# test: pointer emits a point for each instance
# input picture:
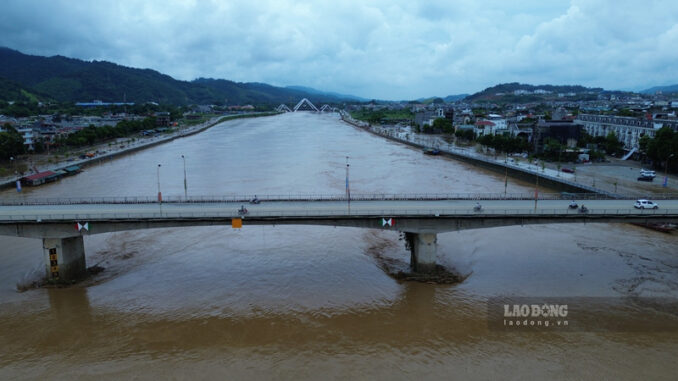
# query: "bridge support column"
(64, 259)
(423, 248)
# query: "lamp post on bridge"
(506, 173)
(348, 189)
(185, 183)
(16, 175)
(536, 189)
(666, 171)
(159, 193)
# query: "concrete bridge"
(62, 223)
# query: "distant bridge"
(305, 105)
(62, 223)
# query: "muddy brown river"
(310, 302)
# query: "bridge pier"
(423, 248)
(64, 259)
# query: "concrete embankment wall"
(126, 151)
(499, 167)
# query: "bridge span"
(62, 223)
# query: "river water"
(308, 302)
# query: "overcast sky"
(388, 49)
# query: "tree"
(465, 134)
(443, 125)
(625, 112)
(662, 146)
(643, 142)
(612, 144)
(11, 142)
(553, 148)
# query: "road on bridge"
(320, 208)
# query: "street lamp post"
(536, 190)
(185, 183)
(505, 173)
(16, 175)
(666, 171)
(559, 150)
(159, 193)
(348, 189)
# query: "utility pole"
(666, 172)
(536, 190)
(185, 183)
(348, 189)
(159, 193)
(506, 174)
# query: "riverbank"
(613, 178)
(526, 172)
(123, 146)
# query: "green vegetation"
(11, 91)
(609, 143)
(612, 145)
(11, 143)
(504, 143)
(465, 134)
(64, 79)
(440, 125)
(383, 116)
(194, 121)
(92, 135)
(25, 109)
(444, 125)
(662, 148)
(508, 89)
(242, 116)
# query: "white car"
(647, 173)
(645, 204)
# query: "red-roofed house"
(483, 127)
(40, 178)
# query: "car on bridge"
(645, 204)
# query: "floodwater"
(308, 302)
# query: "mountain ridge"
(71, 80)
(663, 89)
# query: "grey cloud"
(377, 49)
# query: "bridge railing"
(161, 215)
(320, 197)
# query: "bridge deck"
(333, 209)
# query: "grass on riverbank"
(382, 116)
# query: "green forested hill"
(71, 80)
(508, 88)
(11, 91)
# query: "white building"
(500, 124)
(629, 130)
(30, 136)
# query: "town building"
(566, 132)
(162, 118)
(30, 136)
(628, 130)
(426, 117)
